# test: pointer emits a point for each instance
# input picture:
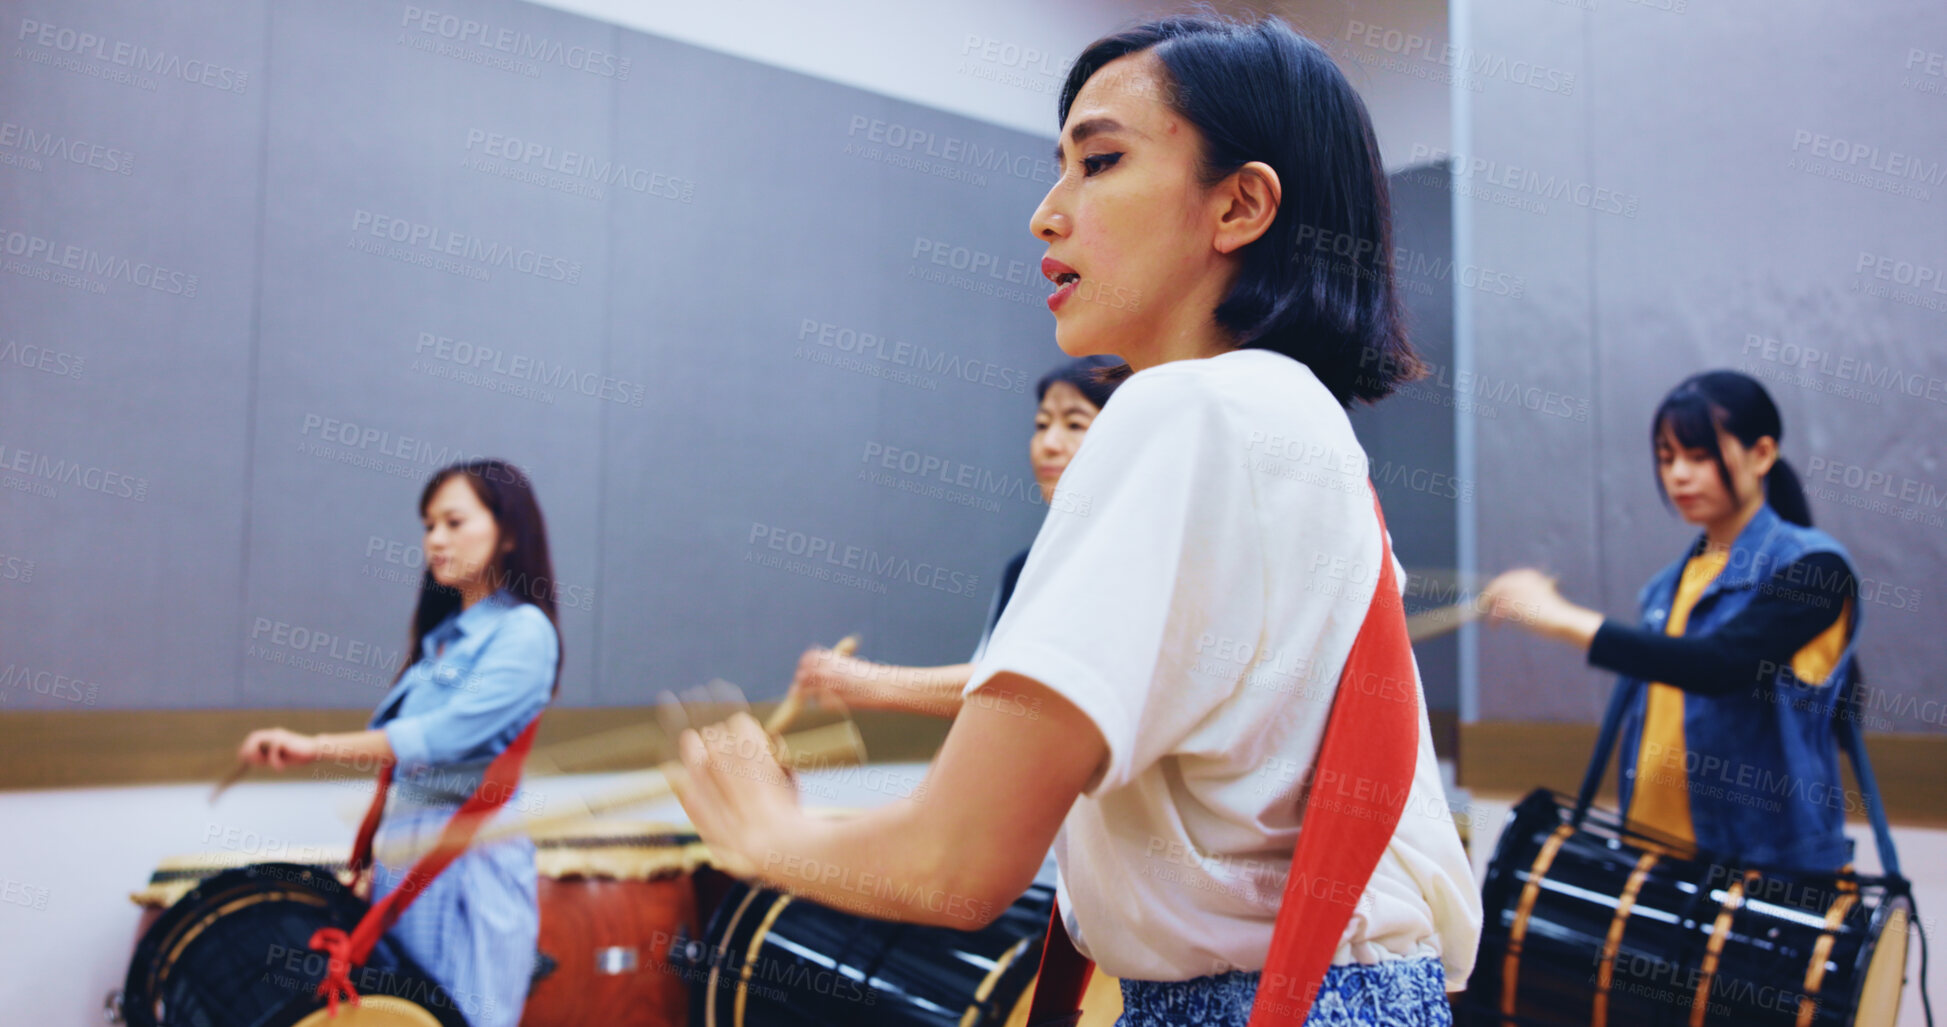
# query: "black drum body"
(1594, 923)
(769, 960)
(234, 953)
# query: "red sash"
(345, 952)
(1358, 789)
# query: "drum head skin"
(234, 952)
(372, 1011)
(1879, 995)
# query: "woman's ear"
(1763, 454)
(1248, 203)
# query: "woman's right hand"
(826, 674)
(277, 748)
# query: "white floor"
(69, 858)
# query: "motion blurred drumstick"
(1439, 621)
(834, 745)
(236, 774)
(793, 704)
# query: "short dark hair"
(1262, 92)
(1093, 377)
(1737, 403)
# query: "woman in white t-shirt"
(1152, 701)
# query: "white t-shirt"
(1194, 591)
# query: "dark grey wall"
(379, 242)
(1679, 201)
(1409, 437)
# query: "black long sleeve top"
(1793, 607)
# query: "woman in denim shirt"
(484, 661)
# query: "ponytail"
(1786, 496)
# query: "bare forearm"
(355, 746)
(889, 863)
(930, 691)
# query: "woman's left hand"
(736, 793)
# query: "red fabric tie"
(347, 952)
(1358, 789)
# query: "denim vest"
(1762, 762)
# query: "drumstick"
(834, 745)
(793, 704)
(236, 774)
(1441, 620)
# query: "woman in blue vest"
(1745, 652)
(484, 660)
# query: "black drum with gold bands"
(234, 952)
(1591, 922)
(771, 960)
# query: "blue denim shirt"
(484, 674)
(1762, 761)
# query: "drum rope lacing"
(1852, 739)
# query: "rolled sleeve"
(507, 686)
(1150, 545)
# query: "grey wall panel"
(1786, 163)
(421, 235)
(1409, 437)
(1768, 202)
(1535, 480)
(794, 345)
(426, 300)
(130, 148)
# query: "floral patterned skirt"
(1396, 993)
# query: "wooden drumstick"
(1441, 620)
(834, 745)
(236, 774)
(793, 704)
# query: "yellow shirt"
(1662, 797)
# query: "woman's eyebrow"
(1093, 126)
